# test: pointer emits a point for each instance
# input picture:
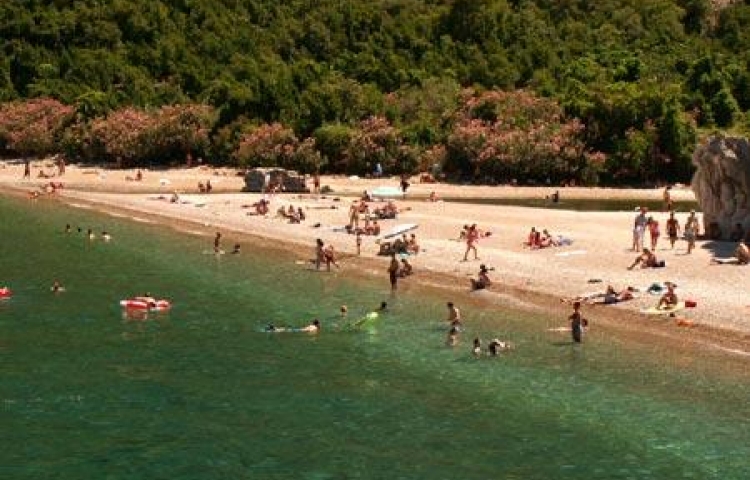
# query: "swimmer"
(106, 236)
(313, 327)
(236, 249)
(477, 350)
(497, 346)
(68, 229)
(383, 306)
(343, 310)
(91, 235)
(57, 287)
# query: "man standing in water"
(217, 242)
(454, 315)
(319, 253)
(577, 323)
(393, 268)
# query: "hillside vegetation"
(626, 85)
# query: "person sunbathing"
(647, 259)
(741, 256)
(608, 297)
(546, 240)
(669, 299)
(534, 239)
(483, 279)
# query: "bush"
(31, 128)
(273, 145)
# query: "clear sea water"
(202, 393)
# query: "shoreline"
(624, 324)
(519, 283)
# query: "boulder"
(262, 179)
(722, 183)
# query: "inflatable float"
(5, 292)
(145, 304)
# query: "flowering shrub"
(375, 141)
(500, 136)
(273, 145)
(132, 136)
(31, 127)
(179, 129)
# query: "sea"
(204, 392)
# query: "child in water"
(577, 323)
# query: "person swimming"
(313, 327)
(57, 287)
(497, 346)
(477, 349)
(106, 236)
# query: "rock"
(261, 179)
(722, 182)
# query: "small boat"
(145, 304)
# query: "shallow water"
(201, 392)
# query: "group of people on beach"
(543, 239)
(290, 213)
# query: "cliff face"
(722, 182)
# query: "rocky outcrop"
(722, 182)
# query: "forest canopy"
(627, 84)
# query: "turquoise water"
(202, 393)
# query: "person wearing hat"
(483, 280)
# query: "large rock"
(722, 182)
(261, 179)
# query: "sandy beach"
(528, 279)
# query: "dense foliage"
(634, 81)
